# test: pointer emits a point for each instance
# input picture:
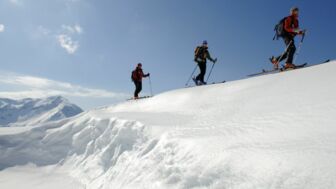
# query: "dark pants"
(138, 88)
(289, 54)
(202, 67)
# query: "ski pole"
(303, 36)
(213, 65)
(191, 75)
(150, 85)
(290, 43)
(299, 49)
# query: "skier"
(201, 56)
(137, 76)
(289, 29)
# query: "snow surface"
(30, 112)
(274, 131)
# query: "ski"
(213, 83)
(283, 69)
(326, 61)
(266, 72)
(140, 98)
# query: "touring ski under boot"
(202, 83)
(196, 81)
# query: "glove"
(301, 32)
(148, 74)
(214, 61)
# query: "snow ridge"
(100, 152)
(269, 132)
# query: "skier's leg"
(198, 77)
(285, 54)
(203, 72)
(291, 52)
(140, 86)
(137, 88)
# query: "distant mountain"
(29, 112)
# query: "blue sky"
(86, 49)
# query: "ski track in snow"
(274, 131)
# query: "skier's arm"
(209, 57)
(145, 75)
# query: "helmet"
(294, 9)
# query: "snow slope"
(29, 111)
(274, 131)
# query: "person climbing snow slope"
(287, 29)
(201, 56)
(137, 76)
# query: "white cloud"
(15, 2)
(68, 43)
(78, 29)
(66, 38)
(75, 29)
(2, 28)
(36, 87)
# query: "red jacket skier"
(137, 76)
(291, 29)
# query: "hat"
(139, 64)
(294, 9)
(205, 42)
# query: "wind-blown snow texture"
(30, 112)
(274, 131)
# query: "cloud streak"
(76, 29)
(36, 87)
(16, 2)
(66, 38)
(67, 43)
(2, 28)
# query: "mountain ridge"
(33, 111)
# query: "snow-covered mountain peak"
(29, 111)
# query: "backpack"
(134, 75)
(198, 52)
(280, 29)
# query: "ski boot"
(289, 66)
(275, 62)
(202, 83)
(196, 81)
